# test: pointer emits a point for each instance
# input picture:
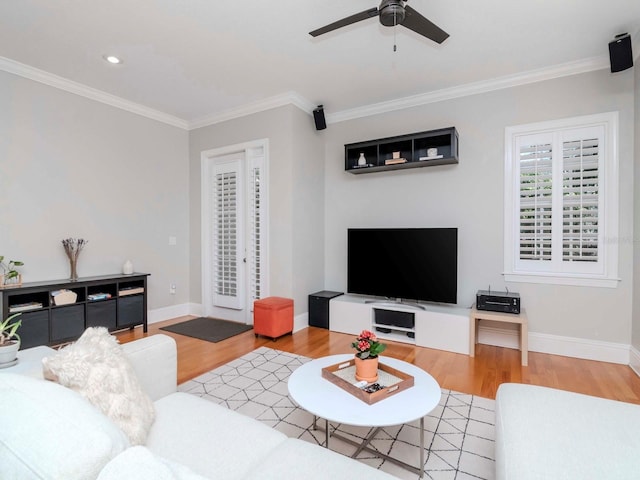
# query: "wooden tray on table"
(393, 381)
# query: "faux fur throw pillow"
(96, 367)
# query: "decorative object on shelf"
(94, 297)
(361, 160)
(127, 267)
(366, 359)
(73, 247)
(432, 154)
(9, 341)
(10, 276)
(395, 161)
(63, 297)
(124, 291)
(23, 307)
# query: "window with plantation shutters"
(561, 204)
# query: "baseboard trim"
(300, 321)
(196, 309)
(559, 345)
(488, 335)
(634, 360)
(167, 313)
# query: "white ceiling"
(198, 60)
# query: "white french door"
(234, 230)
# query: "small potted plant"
(368, 348)
(9, 340)
(10, 277)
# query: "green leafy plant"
(9, 268)
(367, 345)
(8, 329)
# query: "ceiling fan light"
(392, 13)
(112, 59)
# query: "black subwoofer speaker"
(620, 53)
(318, 117)
(319, 308)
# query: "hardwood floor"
(480, 375)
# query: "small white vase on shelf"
(127, 267)
(362, 161)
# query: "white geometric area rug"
(459, 433)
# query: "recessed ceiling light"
(112, 59)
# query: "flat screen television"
(403, 263)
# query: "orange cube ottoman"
(273, 317)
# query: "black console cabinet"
(45, 323)
(319, 308)
(423, 149)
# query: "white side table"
(323, 399)
(517, 318)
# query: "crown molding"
(532, 76)
(76, 88)
(294, 98)
(288, 98)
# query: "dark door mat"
(209, 329)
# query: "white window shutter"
(580, 200)
(227, 236)
(536, 197)
(256, 242)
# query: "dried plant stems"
(73, 247)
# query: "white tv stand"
(440, 327)
(392, 304)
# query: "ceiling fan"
(392, 13)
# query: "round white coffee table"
(323, 399)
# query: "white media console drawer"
(435, 326)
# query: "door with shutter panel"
(227, 233)
(234, 232)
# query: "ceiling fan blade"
(416, 22)
(372, 12)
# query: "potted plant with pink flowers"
(368, 348)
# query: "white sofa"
(544, 433)
(51, 432)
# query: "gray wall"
(70, 166)
(295, 181)
(470, 195)
(635, 340)
(308, 209)
(73, 167)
